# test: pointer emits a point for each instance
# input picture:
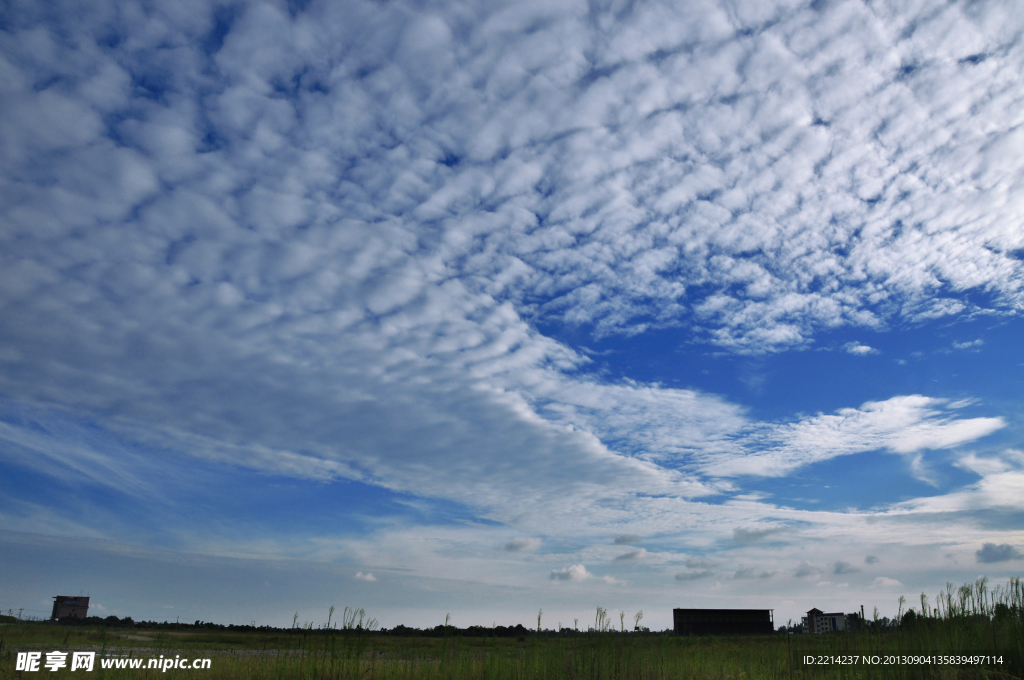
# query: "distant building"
(723, 621)
(819, 622)
(69, 607)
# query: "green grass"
(968, 622)
(604, 656)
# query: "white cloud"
(904, 425)
(859, 349)
(576, 572)
(1001, 487)
(885, 582)
(983, 466)
(365, 577)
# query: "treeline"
(439, 631)
(129, 622)
(971, 603)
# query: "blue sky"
(482, 308)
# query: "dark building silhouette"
(723, 621)
(70, 607)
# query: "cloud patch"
(694, 575)
(698, 563)
(806, 570)
(755, 534)
(522, 544)
(632, 556)
(902, 425)
(990, 553)
(579, 573)
(859, 349)
(576, 572)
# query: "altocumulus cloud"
(320, 243)
(324, 231)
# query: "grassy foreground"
(968, 621)
(592, 656)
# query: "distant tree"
(909, 619)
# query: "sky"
(481, 308)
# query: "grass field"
(959, 628)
